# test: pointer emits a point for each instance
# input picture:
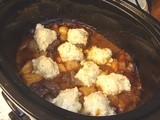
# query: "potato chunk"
(63, 33)
(62, 68)
(72, 65)
(114, 65)
(32, 78)
(58, 59)
(87, 90)
(27, 68)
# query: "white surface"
(142, 3)
(4, 108)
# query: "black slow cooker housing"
(124, 24)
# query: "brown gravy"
(48, 89)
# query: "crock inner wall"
(22, 16)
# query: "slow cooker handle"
(15, 114)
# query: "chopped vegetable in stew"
(78, 69)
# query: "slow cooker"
(121, 22)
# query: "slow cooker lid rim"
(151, 24)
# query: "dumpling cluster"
(89, 73)
(69, 52)
(68, 99)
(44, 37)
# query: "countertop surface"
(155, 9)
(4, 108)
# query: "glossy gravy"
(49, 89)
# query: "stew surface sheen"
(122, 63)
